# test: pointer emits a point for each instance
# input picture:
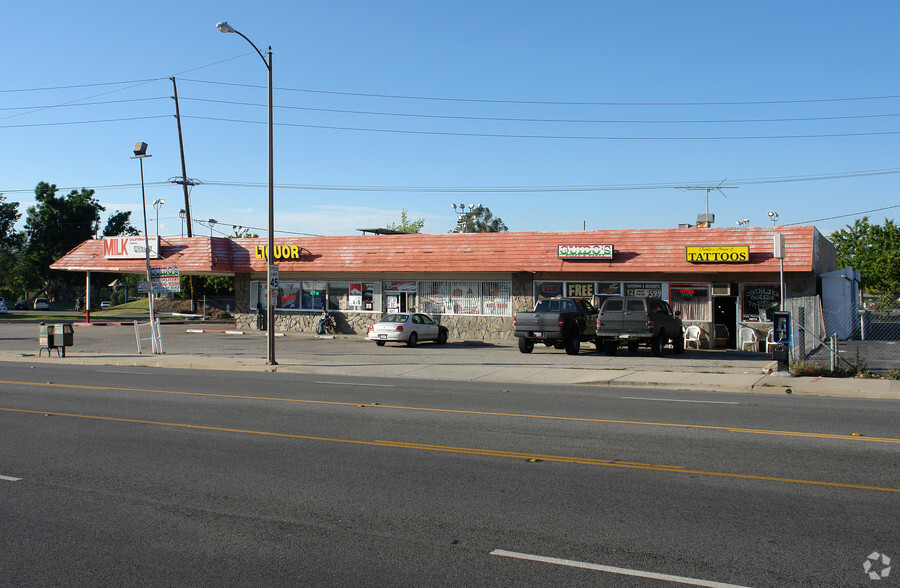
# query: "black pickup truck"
(563, 323)
(637, 320)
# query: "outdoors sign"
(130, 247)
(717, 254)
(585, 251)
(165, 279)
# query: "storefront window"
(496, 298)
(760, 301)
(691, 299)
(313, 295)
(339, 296)
(288, 295)
(465, 298)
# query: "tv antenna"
(718, 187)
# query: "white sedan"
(409, 328)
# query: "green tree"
(119, 223)
(54, 225)
(406, 225)
(481, 220)
(874, 250)
(18, 272)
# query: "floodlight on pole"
(157, 204)
(271, 269)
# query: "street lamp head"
(158, 202)
(225, 27)
(140, 149)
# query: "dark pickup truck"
(635, 321)
(563, 323)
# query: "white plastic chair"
(692, 335)
(770, 340)
(748, 337)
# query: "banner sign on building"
(585, 251)
(716, 254)
(130, 247)
(165, 279)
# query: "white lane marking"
(678, 400)
(9, 479)
(612, 570)
(356, 384)
(125, 373)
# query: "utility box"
(58, 336)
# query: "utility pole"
(185, 181)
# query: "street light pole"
(271, 284)
(140, 152)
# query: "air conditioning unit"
(721, 289)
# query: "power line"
(495, 189)
(84, 122)
(841, 216)
(104, 102)
(556, 102)
(551, 120)
(557, 137)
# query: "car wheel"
(656, 345)
(632, 346)
(610, 347)
(413, 339)
(525, 346)
(379, 343)
(442, 337)
(678, 344)
(573, 345)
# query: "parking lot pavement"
(202, 345)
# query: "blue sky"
(794, 104)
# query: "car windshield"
(394, 318)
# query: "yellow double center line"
(532, 457)
(850, 437)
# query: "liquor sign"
(585, 251)
(130, 247)
(716, 254)
(165, 279)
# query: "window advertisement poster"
(393, 303)
(580, 289)
(355, 300)
(653, 289)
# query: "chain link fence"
(852, 340)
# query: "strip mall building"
(719, 278)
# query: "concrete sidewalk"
(219, 347)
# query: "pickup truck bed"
(563, 323)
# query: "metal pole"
(781, 278)
(270, 256)
(147, 258)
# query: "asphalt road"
(165, 477)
